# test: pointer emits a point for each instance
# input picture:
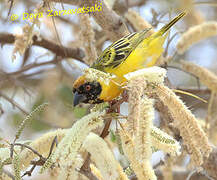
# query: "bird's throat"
(112, 90)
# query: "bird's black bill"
(78, 98)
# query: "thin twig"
(26, 55)
(85, 169)
(34, 65)
(10, 8)
(55, 28)
(14, 103)
(30, 148)
(52, 146)
(168, 43)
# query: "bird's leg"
(112, 106)
(124, 96)
(115, 104)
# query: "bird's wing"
(117, 53)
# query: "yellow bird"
(130, 53)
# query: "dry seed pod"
(4, 176)
(142, 171)
(96, 171)
(136, 88)
(192, 134)
(194, 15)
(151, 75)
(196, 34)
(69, 146)
(88, 38)
(102, 156)
(206, 77)
(165, 142)
(138, 22)
(41, 145)
(16, 167)
(143, 134)
(71, 169)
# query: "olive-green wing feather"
(118, 52)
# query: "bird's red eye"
(88, 87)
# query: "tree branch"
(75, 53)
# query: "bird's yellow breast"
(145, 55)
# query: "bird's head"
(86, 91)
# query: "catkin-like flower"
(136, 89)
(192, 134)
(196, 34)
(4, 176)
(102, 156)
(23, 41)
(206, 76)
(148, 171)
(138, 22)
(167, 169)
(122, 175)
(194, 15)
(2, 163)
(88, 38)
(212, 118)
(96, 172)
(69, 146)
(164, 142)
(42, 145)
(16, 167)
(4, 154)
(73, 138)
(48, 164)
(128, 171)
(28, 118)
(151, 75)
(70, 170)
(142, 170)
(143, 137)
(129, 151)
(136, 85)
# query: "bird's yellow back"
(144, 55)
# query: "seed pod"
(196, 34)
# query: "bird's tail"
(170, 24)
(155, 43)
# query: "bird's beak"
(78, 98)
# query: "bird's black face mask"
(87, 93)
